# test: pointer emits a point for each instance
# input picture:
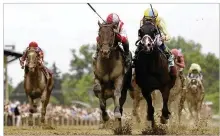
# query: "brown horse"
(111, 80)
(36, 84)
(151, 68)
(194, 97)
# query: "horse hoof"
(163, 120)
(117, 115)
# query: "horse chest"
(109, 71)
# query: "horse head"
(148, 43)
(194, 84)
(149, 39)
(106, 40)
(32, 58)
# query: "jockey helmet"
(33, 44)
(150, 14)
(112, 18)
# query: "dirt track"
(93, 130)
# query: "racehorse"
(151, 68)
(36, 84)
(111, 78)
(194, 97)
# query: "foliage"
(53, 100)
(78, 82)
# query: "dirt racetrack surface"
(94, 130)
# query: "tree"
(78, 81)
(82, 62)
(56, 71)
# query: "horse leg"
(165, 111)
(154, 98)
(137, 109)
(117, 94)
(121, 102)
(44, 100)
(150, 108)
(181, 104)
(105, 115)
(31, 110)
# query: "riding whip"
(154, 17)
(156, 25)
(95, 12)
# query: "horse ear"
(99, 23)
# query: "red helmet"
(112, 18)
(33, 44)
(175, 52)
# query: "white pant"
(18, 120)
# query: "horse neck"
(35, 75)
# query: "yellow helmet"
(148, 14)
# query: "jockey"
(179, 61)
(121, 35)
(195, 71)
(152, 16)
(40, 57)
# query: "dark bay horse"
(36, 84)
(151, 68)
(111, 78)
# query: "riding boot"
(169, 56)
(126, 54)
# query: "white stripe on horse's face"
(147, 42)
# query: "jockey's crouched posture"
(152, 16)
(40, 58)
(195, 71)
(121, 36)
(179, 61)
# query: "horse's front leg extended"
(117, 94)
(44, 100)
(165, 111)
(150, 109)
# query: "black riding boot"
(168, 54)
(126, 53)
